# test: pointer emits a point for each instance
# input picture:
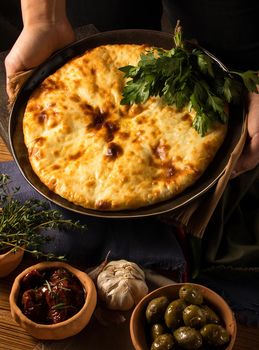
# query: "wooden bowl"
(212, 299)
(61, 330)
(10, 260)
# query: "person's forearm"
(36, 12)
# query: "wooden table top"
(13, 337)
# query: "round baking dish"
(154, 38)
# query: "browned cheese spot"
(52, 85)
(75, 98)
(33, 107)
(136, 109)
(113, 151)
(161, 151)
(75, 156)
(187, 117)
(170, 171)
(103, 205)
(91, 183)
(39, 141)
(111, 129)
(177, 159)
(66, 129)
(42, 117)
(77, 83)
(53, 123)
(55, 167)
(155, 134)
(142, 120)
(48, 85)
(124, 110)
(98, 118)
(112, 105)
(124, 135)
(86, 108)
(81, 68)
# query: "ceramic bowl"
(10, 260)
(64, 329)
(138, 324)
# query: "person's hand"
(249, 158)
(35, 44)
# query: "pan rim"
(57, 60)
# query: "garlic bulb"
(121, 285)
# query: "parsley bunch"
(21, 223)
(190, 78)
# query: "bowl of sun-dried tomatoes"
(52, 300)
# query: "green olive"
(157, 329)
(194, 316)
(191, 295)
(188, 338)
(156, 309)
(163, 342)
(215, 334)
(174, 313)
(211, 316)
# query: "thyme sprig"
(61, 306)
(187, 78)
(21, 224)
(48, 285)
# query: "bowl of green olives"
(183, 316)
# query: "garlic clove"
(121, 285)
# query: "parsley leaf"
(184, 77)
(250, 79)
(204, 62)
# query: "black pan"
(154, 38)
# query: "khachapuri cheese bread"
(91, 150)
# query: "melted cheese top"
(89, 149)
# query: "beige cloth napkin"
(15, 82)
(193, 216)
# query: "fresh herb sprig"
(21, 223)
(184, 77)
(62, 306)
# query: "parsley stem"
(178, 35)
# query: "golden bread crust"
(89, 149)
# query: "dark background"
(105, 15)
